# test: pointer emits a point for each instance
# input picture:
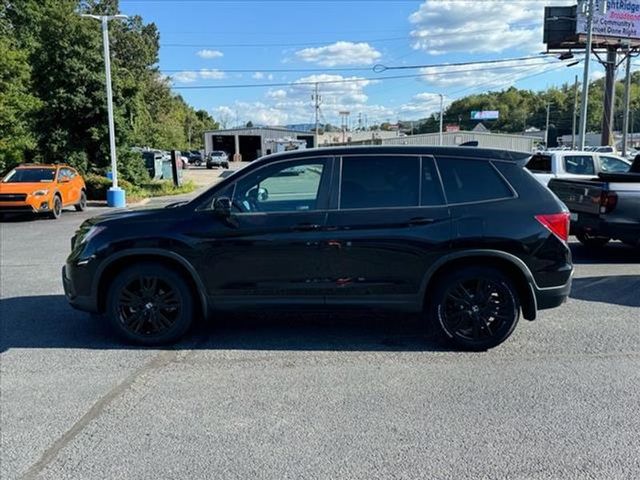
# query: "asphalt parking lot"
(314, 396)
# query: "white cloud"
(293, 104)
(185, 77)
(494, 76)
(421, 105)
(210, 53)
(211, 74)
(262, 76)
(447, 26)
(340, 53)
(190, 76)
(277, 94)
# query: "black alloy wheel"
(150, 304)
(81, 206)
(477, 307)
(56, 208)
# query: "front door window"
(282, 187)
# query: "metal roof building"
(487, 140)
(247, 144)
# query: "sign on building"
(485, 115)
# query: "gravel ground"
(314, 396)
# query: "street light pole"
(115, 195)
(441, 116)
(585, 82)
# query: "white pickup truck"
(574, 164)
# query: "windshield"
(30, 175)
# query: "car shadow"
(21, 217)
(49, 322)
(618, 290)
(613, 253)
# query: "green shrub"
(98, 185)
(131, 167)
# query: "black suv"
(465, 235)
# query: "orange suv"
(42, 189)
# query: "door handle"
(421, 221)
(306, 227)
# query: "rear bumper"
(552, 297)
(596, 226)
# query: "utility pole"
(316, 99)
(575, 114)
(627, 105)
(546, 130)
(585, 82)
(609, 95)
(441, 118)
(115, 196)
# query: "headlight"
(40, 193)
(92, 232)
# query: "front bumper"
(36, 206)
(86, 303)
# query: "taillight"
(556, 223)
(608, 202)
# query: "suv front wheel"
(150, 305)
(477, 308)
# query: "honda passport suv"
(465, 236)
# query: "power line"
(344, 80)
(375, 68)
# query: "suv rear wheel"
(477, 308)
(150, 305)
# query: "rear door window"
(579, 165)
(540, 164)
(431, 189)
(380, 182)
(468, 181)
(613, 165)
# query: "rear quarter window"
(468, 181)
(540, 164)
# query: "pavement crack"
(95, 411)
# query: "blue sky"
(202, 40)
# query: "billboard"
(452, 128)
(485, 114)
(622, 20)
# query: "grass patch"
(158, 188)
(97, 187)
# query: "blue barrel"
(116, 198)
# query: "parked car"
(465, 236)
(574, 164)
(217, 158)
(42, 189)
(195, 157)
(603, 208)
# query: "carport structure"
(248, 144)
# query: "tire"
(134, 305)
(81, 206)
(592, 241)
(209, 167)
(225, 166)
(56, 208)
(476, 308)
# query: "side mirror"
(222, 207)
